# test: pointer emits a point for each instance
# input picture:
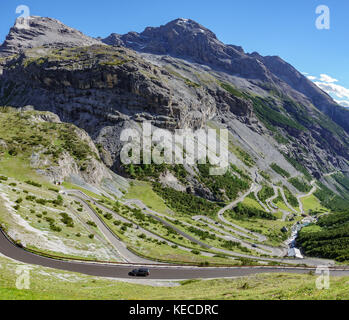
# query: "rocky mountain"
(187, 39)
(302, 84)
(177, 76)
(42, 32)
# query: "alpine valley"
(65, 100)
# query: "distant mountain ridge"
(185, 38)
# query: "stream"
(291, 242)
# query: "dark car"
(140, 273)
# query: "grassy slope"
(144, 192)
(312, 203)
(21, 134)
(53, 285)
(252, 203)
(70, 239)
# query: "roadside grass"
(143, 191)
(49, 284)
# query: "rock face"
(186, 38)
(302, 84)
(175, 76)
(101, 87)
(42, 32)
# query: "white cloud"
(336, 89)
(327, 78)
(344, 103)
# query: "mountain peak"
(40, 31)
(187, 39)
(182, 25)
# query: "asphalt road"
(9, 250)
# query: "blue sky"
(271, 27)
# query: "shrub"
(291, 199)
(13, 152)
(41, 201)
(280, 171)
(58, 201)
(33, 183)
(68, 221)
(300, 185)
(242, 212)
(202, 234)
(55, 228)
(266, 193)
(92, 224)
(185, 203)
(30, 198)
(108, 216)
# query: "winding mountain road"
(232, 205)
(128, 255)
(158, 272)
(261, 249)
